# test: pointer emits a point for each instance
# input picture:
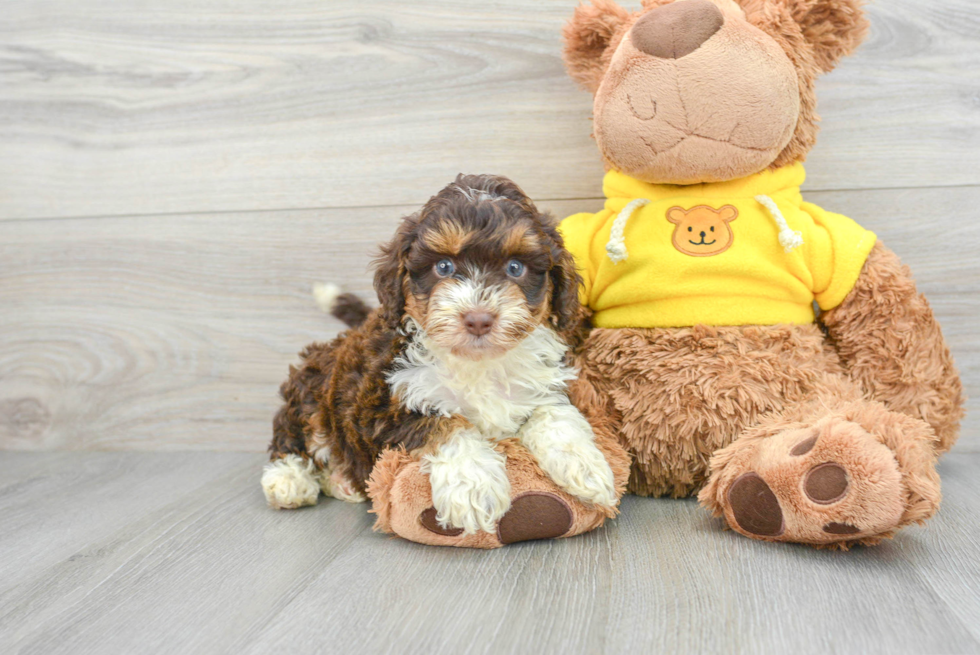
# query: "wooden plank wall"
(174, 176)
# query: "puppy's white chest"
(496, 395)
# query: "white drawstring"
(788, 239)
(616, 248)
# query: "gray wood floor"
(174, 175)
(177, 553)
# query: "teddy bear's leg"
(828, 473)
(402, 500)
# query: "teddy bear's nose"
(678, 29)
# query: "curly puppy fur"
(478, 310)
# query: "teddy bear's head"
(690, 91)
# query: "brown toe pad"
(428, 521)
(826, 483)
(804, 446)
(755, 506)
(535, 515)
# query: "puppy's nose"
(478, 323)
(678, 29)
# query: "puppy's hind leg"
(335, 480)
(291, 479)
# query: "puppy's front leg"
(470, 489)
(562, 441)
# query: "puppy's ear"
(833, 28)
(587, 36)
(566, 310)
(391, 272)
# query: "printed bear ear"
(676, 214)
(728, 213)
(833, 28)
(587, 36)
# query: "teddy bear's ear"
(587, 35)
(834, 28)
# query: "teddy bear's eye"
(712, 228)
(690, 229)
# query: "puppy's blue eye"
(445, 268)
(515, 268)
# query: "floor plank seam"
(330, 208)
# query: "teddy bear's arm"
(890, 342)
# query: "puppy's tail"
(346, 306)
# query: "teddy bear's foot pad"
(532, 515)
(535, 515)
(829, 483)
(428, 521)
(755, 506)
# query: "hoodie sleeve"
(837, 254)
(577, 231)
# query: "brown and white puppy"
(479, 308)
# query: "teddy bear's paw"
(832, 483)
(532, 515)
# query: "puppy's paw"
(582, 471)
(339, 485)
(470, 489)
(290, 482)
(562, 441)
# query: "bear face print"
(702, 231)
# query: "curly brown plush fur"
(890, 342)
(678, 395)
(694, 405)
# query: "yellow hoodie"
(743, 252)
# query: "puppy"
(479, 308)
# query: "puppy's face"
(479, 268)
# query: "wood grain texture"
(221, 105)
(175, 332)
(206, 567)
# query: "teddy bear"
(752, 348)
